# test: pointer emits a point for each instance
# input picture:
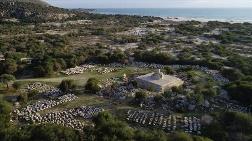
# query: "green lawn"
(81, 79)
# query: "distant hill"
(40, 2)
(32, 11)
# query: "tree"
(240, 91)
(17, 85)
(52, 133)
(210, 92)
(237, 122)
(229, 126)
(156, 135)
(140, 96)
(134, 83)
(23, 98)
(199, 98)
(67, 85)
(93, 85)
(158, 99)
(48, 67)
(5, 110)
(181, 137)
(232, 74)
(177, 89)
(6, 79)
(198, 138)
(10, 66)
(39, 70)
(109, 128)
(169, 70)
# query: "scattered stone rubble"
(30, 113)
(65, 118)
(119, 92)
(227, 105)
(46, 104)
(78, 69)
(81, 69)
(46, 90)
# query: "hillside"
(32, 11)
(39, 2)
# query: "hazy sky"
(150, 3)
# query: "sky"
(151, 3)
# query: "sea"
(235, 15)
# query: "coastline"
(181, 19)
(179, 15)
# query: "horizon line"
(153, 7)
(165, 7)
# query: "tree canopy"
(93, 85)
(67, 85)
(6, 78)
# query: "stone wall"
(148, 85)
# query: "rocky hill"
(32, 11)
(39, 2)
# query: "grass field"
(81, 79)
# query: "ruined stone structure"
(158, 82)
